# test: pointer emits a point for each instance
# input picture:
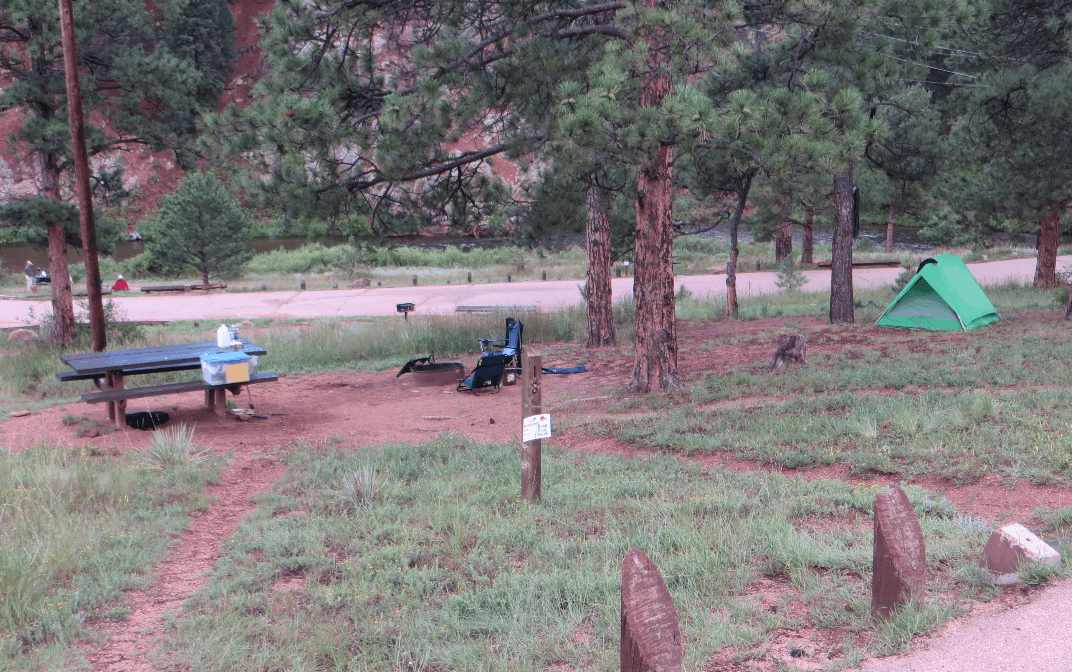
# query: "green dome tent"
(943, 295)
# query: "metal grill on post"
(405, 309)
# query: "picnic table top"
(145, 359)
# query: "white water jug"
(223, 337)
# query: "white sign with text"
(536, 427)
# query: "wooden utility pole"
(531, 404)
(81, 178)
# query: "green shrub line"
(324, 266)
(77, 529)
(450, 570)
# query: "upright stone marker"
(900, 560)
(651, 635)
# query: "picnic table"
(108, 370)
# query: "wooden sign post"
(531, 404)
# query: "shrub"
(172, 448)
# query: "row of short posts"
(650, 630)
(468, 279)
(651, 635)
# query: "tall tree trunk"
(841, 308)
(600, 297)
(743, 187)
(653, 286)
(807, 245)
(783, 241)
(62, 302)
(1046, 266)
(80, 159)
(889, 227)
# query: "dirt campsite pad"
(363, 409)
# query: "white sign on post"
(536, 427)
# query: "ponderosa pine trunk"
(732, 305)
(62, 301)
(600, 298)
(841, 299)
(653, 286)
(889, 227)
(807, 244)
(1046, 266)
(783, 241)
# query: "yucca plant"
(171, 448)
(363, 486)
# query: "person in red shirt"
(120, 285)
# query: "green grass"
(959, 436)
(450, 570)
(76, 531)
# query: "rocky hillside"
(149, 175)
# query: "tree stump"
(651, 635)
(791, 348)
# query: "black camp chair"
(509, 346)
(487, 374)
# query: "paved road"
(442, 299)
(1036, 637)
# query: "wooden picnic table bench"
(865, 263)
(182, 288)
(495, 309)
(109, 369)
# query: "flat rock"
(20, 414)
(900, 558)
(1011, 545)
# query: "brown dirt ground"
(363, 409)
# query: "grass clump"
(75, 532)
(453, 571)
(173, 448)
(363, 487)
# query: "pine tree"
(145, 93)
(199, 226)
(868, 48)
(906, 160)
(379, 116)
(635, 106)
(1012, 135)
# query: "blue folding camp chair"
(509, 346)
(487, 375)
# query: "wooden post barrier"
(899, 567)
(651, 634)
(531, 404)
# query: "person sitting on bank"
(120, 285)
(30, 279)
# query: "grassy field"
(370, 558)
(76, 530)
(445, 567)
